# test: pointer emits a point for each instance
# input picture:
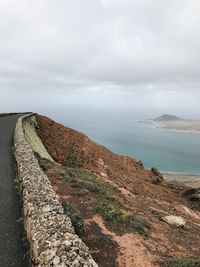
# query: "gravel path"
(12, 249)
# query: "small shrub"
(79, 183)
(110, 212)
(113, 212)
(61, 174)
(157, 214)
(45, 164)
(177, 262)
(76, 219)
(90, 186)
(138, 224)
(68, 176)
(20, 220)
(17, 185)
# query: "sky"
(136, 54)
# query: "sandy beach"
(181, 125)
(188, 180)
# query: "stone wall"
(49, 231)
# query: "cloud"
(100, 46)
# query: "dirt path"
(12, 250)
(132, 250)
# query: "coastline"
(184, 126)
(177, 130)
(190, 180)
(181, 126)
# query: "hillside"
(167, 117)
(127, 215)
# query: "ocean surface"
(174, 152)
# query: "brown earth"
(89, 177)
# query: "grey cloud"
(117, 47)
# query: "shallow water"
(174, 152)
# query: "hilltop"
(127, 215)
(167, 117)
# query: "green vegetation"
(68, 176)
(90, 186)
(20, 220)
(110, 212)
(113, 212)
(44, 163)
(177, 262)
(76, 219)
(84, 180)
(17, 185)
(157, 214)
(107, 198)
(138, 224)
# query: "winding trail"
(12, 249)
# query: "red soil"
(140, 192)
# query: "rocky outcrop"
(159, 177)
(49, 231)
(192, 194)
(177, 221)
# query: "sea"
(122, 132)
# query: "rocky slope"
(72, 148)
(127, 215)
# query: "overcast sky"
(139, 53)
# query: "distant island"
(172, 122)
(168, 117)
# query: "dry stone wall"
(49, 231)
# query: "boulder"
(177, 221)
(192, 194)
(195, 197)
(159, 177)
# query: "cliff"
(126, 215)
(72, 148)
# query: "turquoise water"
(169, 151)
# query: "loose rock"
(174, 220)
